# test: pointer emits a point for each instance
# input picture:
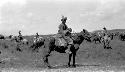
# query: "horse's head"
(85, 35)
(69, 29)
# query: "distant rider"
(105, 31)
(36, 37)
(20, 35)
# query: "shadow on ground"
(77, 65)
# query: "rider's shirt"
(62, 28)
(64, 31)
(37, 36)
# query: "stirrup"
(67, 51)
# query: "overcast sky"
(43, 16)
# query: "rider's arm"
(61, 28)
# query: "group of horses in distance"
(47, 44)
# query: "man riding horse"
(20, 36)
(65, 34)
(106, 38)
(37, 36)
(105, 31)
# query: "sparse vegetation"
(20, 55)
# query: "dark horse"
(2, 37)
(122, 37)
(97, 38)
(35, 46)
(49, 46)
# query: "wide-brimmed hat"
(19, 31)
(104, 28)
(63, 18)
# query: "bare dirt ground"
(90, 58)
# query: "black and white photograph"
(62, 35)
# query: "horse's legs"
(99, 40)
(74, 55)
(95, 41)
(45, 59)
(70, 55)
(109, 47)
(27, 43)
(104, 45)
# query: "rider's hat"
(19, 30)
(64, 18)
(37, 33)
(84, 30)
(104, 28)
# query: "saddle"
(61, 41)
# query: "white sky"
(44, 16)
